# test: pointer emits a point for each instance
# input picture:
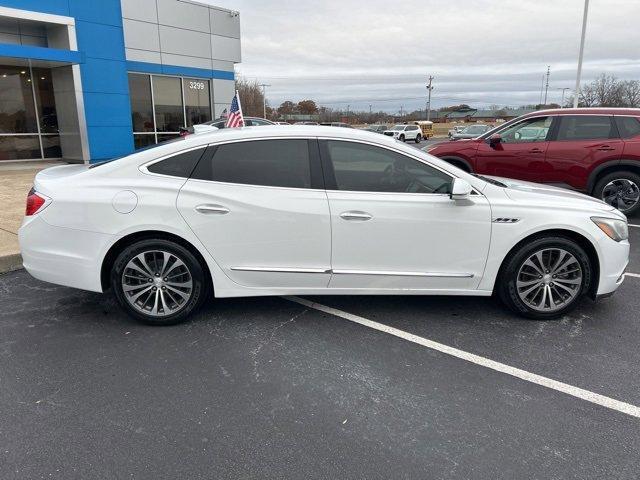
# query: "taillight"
(35, 203)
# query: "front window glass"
(276, 163)
(530, 130)
(586, 127)
(197, 101)
(167, 96)
(366, 168)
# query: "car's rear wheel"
(418, 138)
(545, 278)
(158, 282)
(620, 190)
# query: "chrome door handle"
(536, 150)
(605, 148)
(357, 216)
(212, 209)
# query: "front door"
(521, 152)
(582, 143)
(394, 225)
(257, 209)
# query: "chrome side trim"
(403, 274)
(281, 269)
(353, 272)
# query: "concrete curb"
(9, 263)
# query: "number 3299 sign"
(197, 85)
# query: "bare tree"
(250, 97)
(630, 93)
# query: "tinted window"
(276, 163)
(365, 168)
(167, 95)
(585, 127)
(180, 165)
(628, 126)
(530, 130)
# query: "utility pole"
(576, 94)
(429, 88)
(546, 88)
(541, 90)
(564, 89)
(264, 100)
(401, 114)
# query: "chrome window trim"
(281, 269)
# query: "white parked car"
(311, 210)
(405, 132)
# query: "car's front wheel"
(401, 138)
(620, 190)
(545, 278)
(158, 282)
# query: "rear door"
(521, 152)
(260, 209)
(582, 143)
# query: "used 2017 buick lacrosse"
(312, 210)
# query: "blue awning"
(41, 53)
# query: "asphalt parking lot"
(272, 388)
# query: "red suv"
(594, 150)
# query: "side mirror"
(494, 139)
(461, 189)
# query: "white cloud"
(480, 51)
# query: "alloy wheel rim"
(621, 193)
(157, 283)
(549, 280)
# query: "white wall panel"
(225, 48)
(141, 35)
(183, 15)
(184, 42)
(225, 23)
(144, 10)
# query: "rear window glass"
(586, 127)
(628, 126)
(275, 163)
(180, 165)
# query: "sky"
(348, 53)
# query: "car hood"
(554, 197)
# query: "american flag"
(224, 113)
(235, 118)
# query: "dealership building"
(89, 80)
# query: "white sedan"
(311, 210)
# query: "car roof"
(585, 111)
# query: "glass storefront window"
(17, 110)
(51, 146)
(167, 96)
(19, 147)
(197, 100)
(163, 96)
(141, 105)
(45, 100)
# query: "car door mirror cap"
(494, 139)
(460, 189)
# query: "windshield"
(398, 127)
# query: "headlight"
(614, 228)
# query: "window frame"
(315, 167)
(331, 183)
(209, 150)
(555, 127)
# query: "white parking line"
(632, 225)
(636, 275)
(577, 392)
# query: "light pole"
(429, 88)
(564, 89)
(264, 100)
(584, 31)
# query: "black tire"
(194, 272)
(401, 138)
(418, 138)
(506, 287)
(622, 177)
